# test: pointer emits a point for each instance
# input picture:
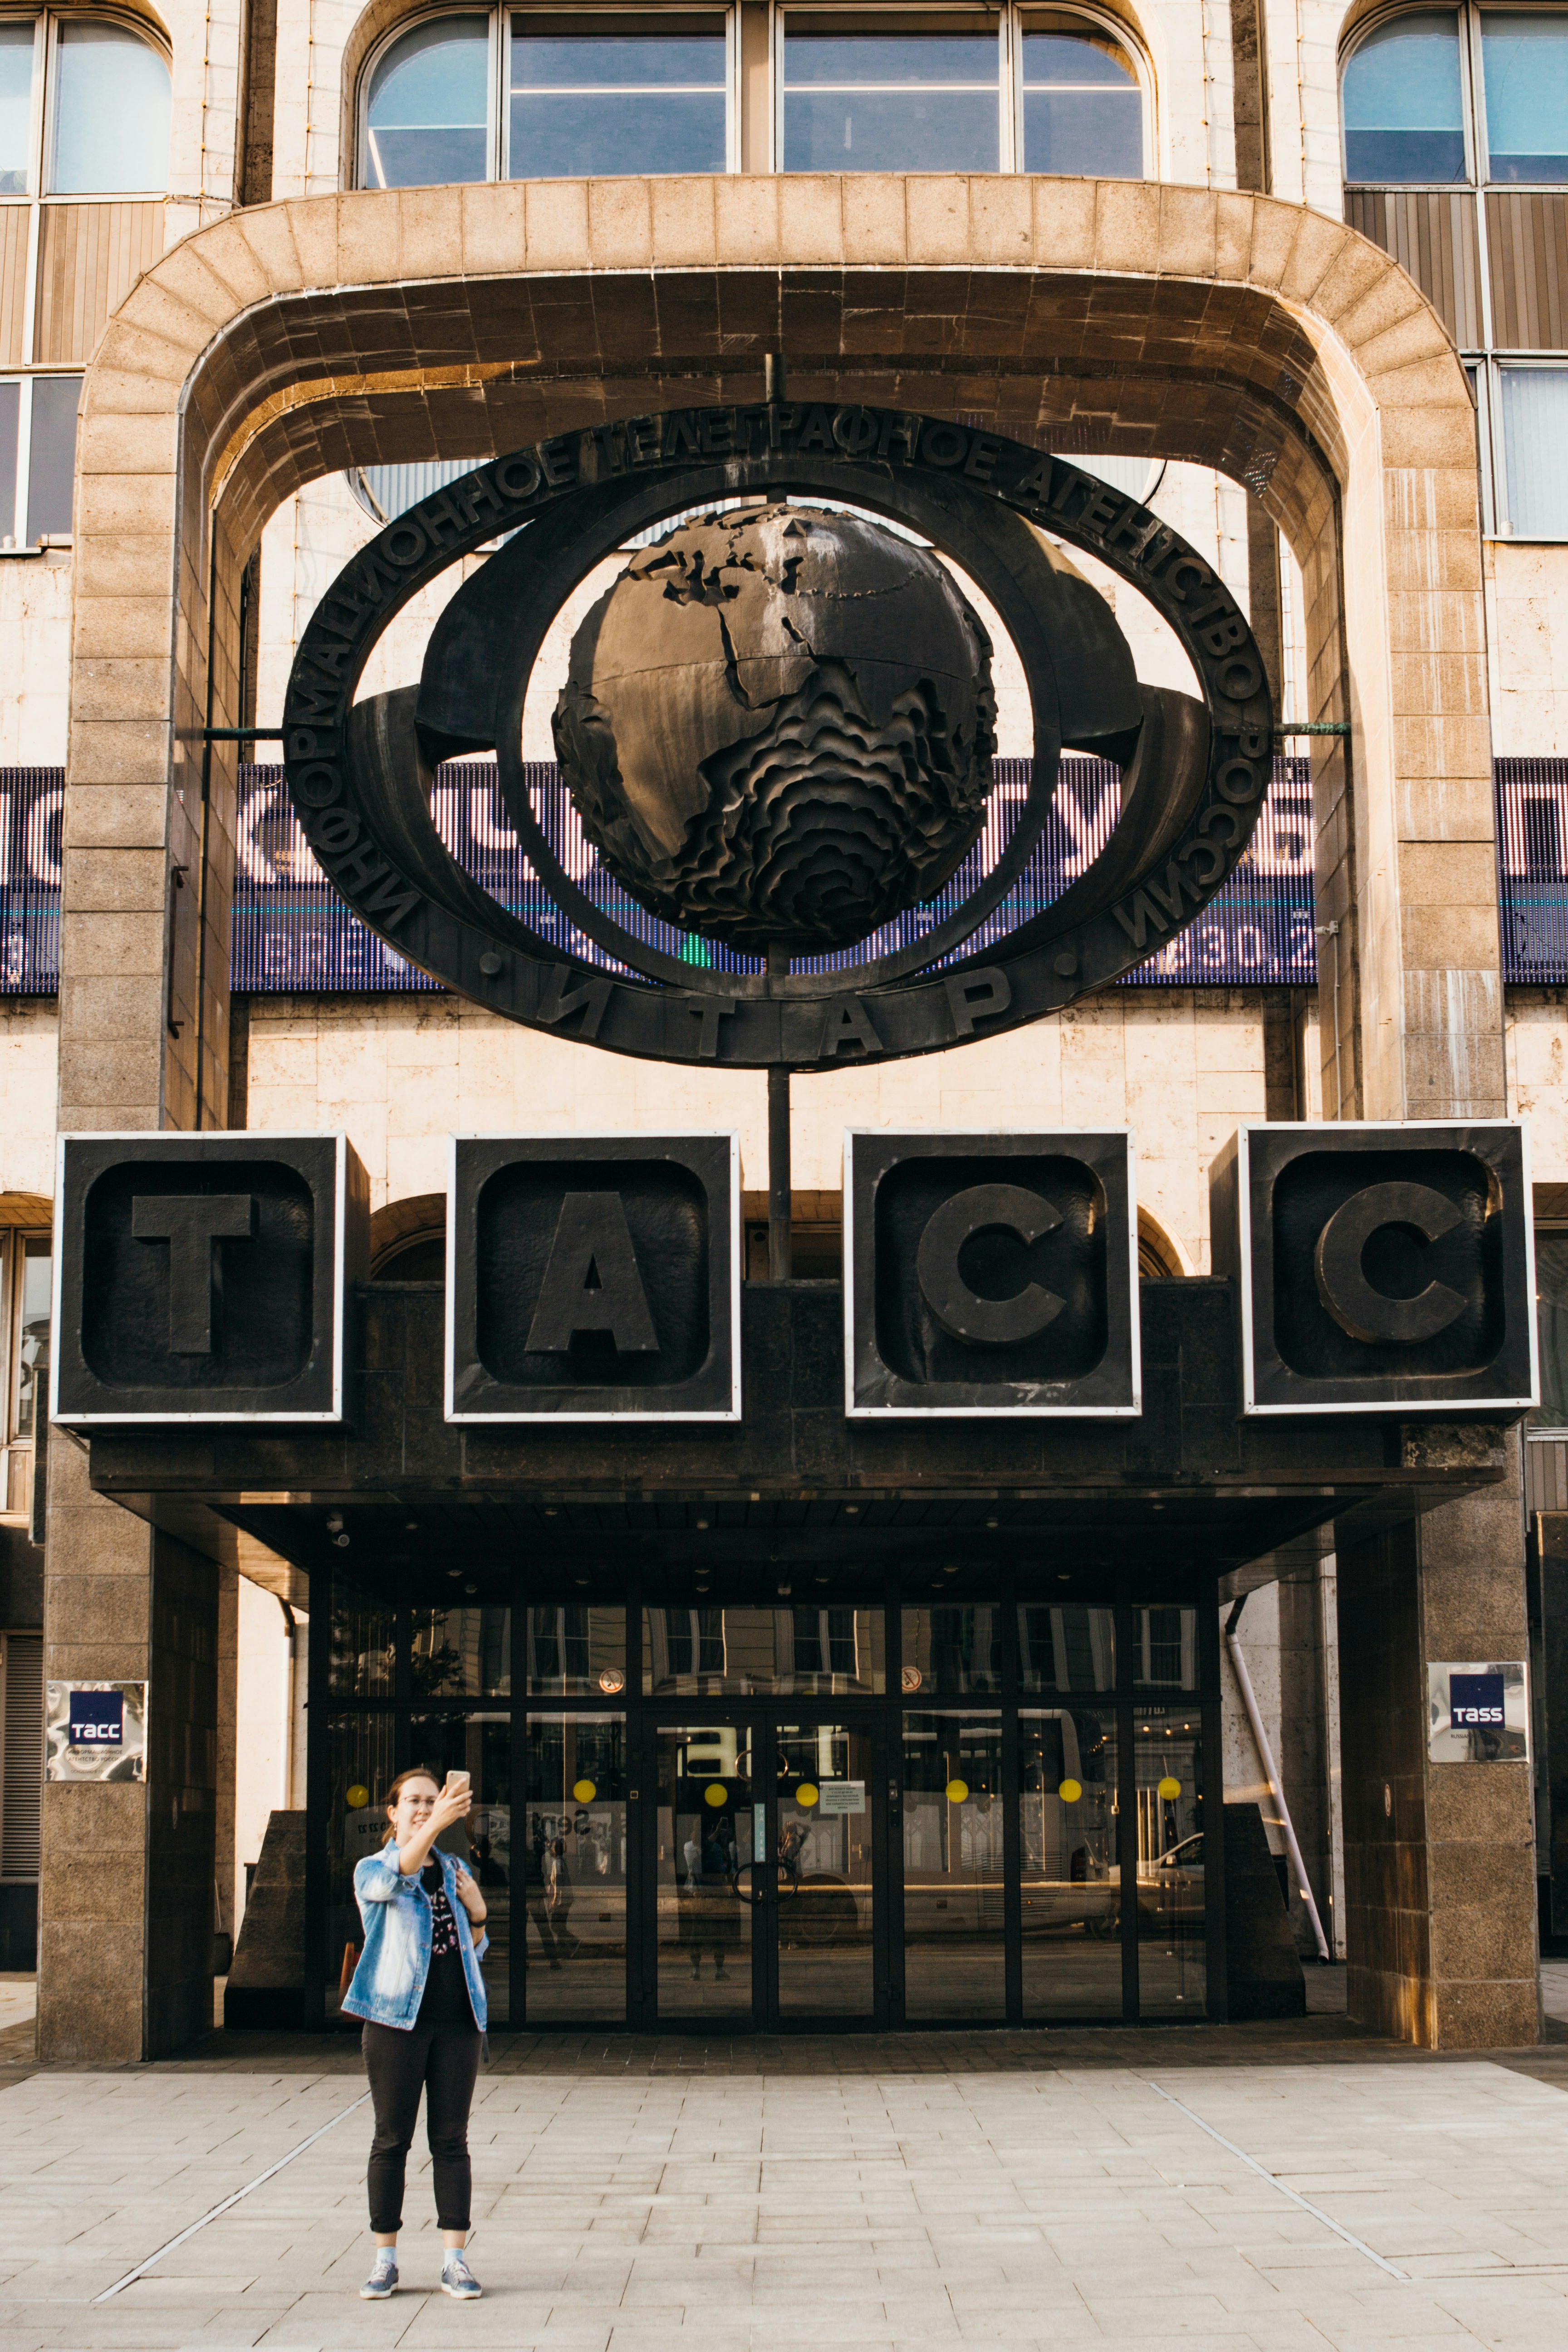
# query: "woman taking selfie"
(418, 1989)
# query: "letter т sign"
(202, 1277)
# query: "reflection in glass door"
(703, 1876)
(1168, 1754)
(572, 1861)
(953, 1870)
(1071, 1891)
(823, 1905)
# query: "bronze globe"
(778, 726)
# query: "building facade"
(1289, 278)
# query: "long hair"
(415, 1772)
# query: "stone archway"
(1262, 338)
(291, 340)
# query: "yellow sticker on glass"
(716, 1793)
(357, 1797)
(584, 1792)
(1070, 1791)
(1169, 1790)
(957, 1793)
(808, 1793)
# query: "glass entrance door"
(822, 1895)
(766, 1883)
(708, 1836)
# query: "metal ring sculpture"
(1195, 774)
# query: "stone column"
(1440, 1858)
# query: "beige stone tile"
(557, 223)
(1063, 220)
(875, 225)
(739, 224)
(684, 228)
(810, 218)
(620, 226)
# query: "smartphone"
(458, 1784)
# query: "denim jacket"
(389, 1983)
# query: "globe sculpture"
(778, 726)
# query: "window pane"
(709, 1653)
(1402, 104)
(573, 1863)
(1165, 1648)
(10, 417)
(1535, 451)
(111, 113)
(575, 1652)
(606, 103)
(460, 1653)
(1552, 1319)
(52, 466)
(955, 1649)
(361, 1654)
(1070, 1648)
(429, 113)
(952, 1866)
(15, 106)
(1524, 64)
(891, 103)
(1168, 1758)
(33, 1335)
(1082, 108)
(1071, 1862)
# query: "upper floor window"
(521, 94)
(1026, 90)
(863, 100)
(1083, 109)
(1433, 98)
(84, 109)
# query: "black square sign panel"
(200, 1278)
(990, 1274)
(594, 1278)
(1382, 1267)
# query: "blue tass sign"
(98, 1718)
(1475, 1702)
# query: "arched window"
(1083, 108)
(105, 109)
(1404, 112)
(520, 95)
(1432, 98)
(1452, 118)
(84, 157)
(427, 119)
(111, 113)
(982, 89)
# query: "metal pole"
(773, 377)
(779, 1178)
(1270, 1773)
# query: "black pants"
(442, 2060)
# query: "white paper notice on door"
(841, 1797)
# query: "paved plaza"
(1278, 2187)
